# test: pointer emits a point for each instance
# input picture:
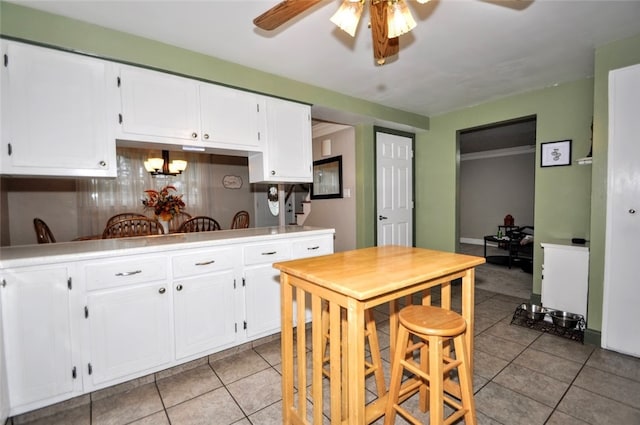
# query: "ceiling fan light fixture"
(348, 16)
(399, 18)
(422, 1)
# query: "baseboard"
(593, 337)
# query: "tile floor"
(522, 376)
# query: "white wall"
(4, 389)
(491, 188)
(339, 214)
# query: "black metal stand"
(575, 334)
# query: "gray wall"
(491, 188)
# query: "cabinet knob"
(632, 211)
(102, 163)
(179, 287)
(194, 135)
(206, 136)
(162, 290)
(273, 172)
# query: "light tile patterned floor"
(521, 377)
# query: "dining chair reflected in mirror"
(43, 233)
(240, 220)
(122, 216)
(177, 220)
(136, 226)
(199, 224)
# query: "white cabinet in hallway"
(55, 119)
(40, 349)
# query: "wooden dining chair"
(177, 220)
(240, 220)
(123, 216)
(43, 233)
(199, 224)
(136, 226)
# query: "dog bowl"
(565, 319)
(533, 311)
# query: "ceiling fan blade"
(282, 12)
(383, 47)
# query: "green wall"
(612, 56)
(562, 194)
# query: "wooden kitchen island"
(351, 282)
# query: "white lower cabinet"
(128, 318)
(40, 347)
(79, 326)
(206, 290)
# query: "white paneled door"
(621, 283)
(394, 168)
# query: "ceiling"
(462, 53)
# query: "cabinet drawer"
(109, 274)
(200, 262)
(267, 253)
(312, 247)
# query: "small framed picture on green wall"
(553, 154)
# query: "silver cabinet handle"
(381, 217)
(194, 135)
(270, 253)
(206, 136)
(103, 163)
(632, 211)
(179, 287)
(162, 290)
(273, 172)
(128, 273)
(313, 248)
(205, 263)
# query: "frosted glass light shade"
(399, 19)
(179, 165)
(153, 164)
(348, 16)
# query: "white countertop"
(564, 244)
(26, 255)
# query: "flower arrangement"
(164, 205)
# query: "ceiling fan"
(389, 20)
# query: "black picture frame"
(327, 178)
(555, 154)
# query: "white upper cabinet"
(157, 106)
(164, 108)
(231, 118)
(54, 114)
(287, 156)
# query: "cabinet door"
(129, 331)
(37, 335)
(54, 114)
(231, 118)
(158, 106)
(205, 316)
(287, 156)
(262, 298)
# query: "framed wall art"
(554, 154)
(327, 178)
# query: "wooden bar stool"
(371, 335)
(434, 327)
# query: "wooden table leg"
(355, 362)
(468, 304)
(286, 295)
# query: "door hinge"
(86, 312)
(245, 324)
(6, 60)
(69, 284)
(244, 282)
(119, 118)
(9, 149)
(4, 283)
(235, 325)
(89, 368)
(257, 107)
(118, 80)
(234, 284)
(258, 136)
(74, 373)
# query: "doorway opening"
(496, 195)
